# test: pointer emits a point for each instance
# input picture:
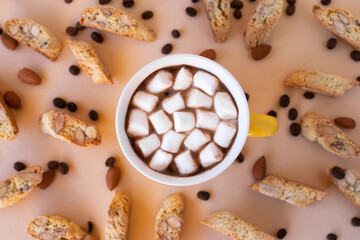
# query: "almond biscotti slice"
(118, 217)
(90, 61)
(20, 185)
(340, 22)
(287, 190)
(35, 36)
(234, 227)
(218, 15)
(319, 82)
(63, 126)
(46, 227)
(110, 19)
(169, 219)
(316, 127)
(263, 21)
(8, 127)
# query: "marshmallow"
(160, 82)
(173, 103)
(224, 106)
(145, 101)
(206, 119)
(160, 122)
(224, 134)
(197, 99)
(148, 144)
(161, 160)
(206, 82)
(183, 79)
(184, 121)
(138, 123)
(185, 163)
(196, 139)
(210, 155)
(171, 141)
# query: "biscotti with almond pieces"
(8, 127)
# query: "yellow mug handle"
(262, 125)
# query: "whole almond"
(112, 177)
(209, 53)
(47, 178)
(12, 99)
(260, 51)
(259, 168)
(8, 42)
(345, 122)
(28, 76)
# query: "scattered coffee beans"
(237, 4)
(93, 115)
(128, 3)
(68, 1)
(295, 129)
(90, 227)
(309, 95)
(355, 55)
(79, 26)
(291, 1)
(237, 14)
(290, 10)
(19, 166)
(325, 2)
(71, 106)
(59, 102)
(355, 221)
(74, 70)
(110, 162)
(71, 31)
(102, 2)
(281, 233)
(337, 172)
(147, 15)
(175, 33)
(167, 48)
(240, 158)
(247, 96)
(331, 43)
(331, 236)
(203, 195)
(272, 113)
(293, 114)
(284, 101)
(191, 11)
(53, 164)
(63, 168)
(97, 37)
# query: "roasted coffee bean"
(93, 115)
(1, 31)
(331, 43)
(293, 114)
(74, 70)
(331, 236)
(147, 15)
(290, 10)
(128, 3)
(237, 14)
(102, 2)
(247, 96)
(53, 164)
(79, 26)
(194, 1)
(240, 158)
(295, 129)
(284, 101)
(97, 37)
(272, 113)
(110, 162)
(63, 168)
(71, 106)
(191, 11)
(68, 1)
(237, 4)
(309, 95)
(59, 102)
(175, 33)
(338, 172)
(358, 79)
(167, 48)
(325, 2)
(19, 166)
(355, 55)
(281, 233)
(203, 195)
(71, 31)
(291, 1)
(355, 221)
(252, 0)
(90, 227)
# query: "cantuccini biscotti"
(111, 19)
(169, 219)
(287, 190)
(90, 61)
(35, 36)
(118, 217)
(8, 127)
(316, 127)
(340, 22)
(262, 22)
(65, 127)
(218, 12)
(319, 82)
(20, 185)
(234, 227)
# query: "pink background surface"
(298, 43)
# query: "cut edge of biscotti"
(65, 127)
(320, 82)
(114, 20)
(316, 127)
(35, 36)
(8, 127)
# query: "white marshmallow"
(224, 134)
(160, 82)
(148, 144)
(206, 82)
(138, 123)
(197, 99)
(173, 103)
(160, 122)
(183, 79)
(196, 139)
(206, 119)
(171, 141)
(184, 121)
(224, 106)
(185, 163)
(145, 101)
(161, 160)
(210, 155)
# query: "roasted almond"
(28, 76)
(112, 177)
(12, 99)
(47, 179)
(260, 51)
(8, 42)
(209, 53)
(259, 168)
(345, 122)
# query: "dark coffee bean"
(194, 1)
(237, 14)
(128, 3)
(1, 31)
(79, 26)
(358, 79)
(71, 106)
(90, 227)
(355, 55)
(291, 1)
(284, 101)
(331, 236)
(191, 11)
(309, 95)
(68, 1)
(93, 115)
(295, 129)
(102, 2)
(167, 48)
(147, 15)
(237, 4)
(240, 158)
(290, 10)
(247, 96)
(252, 0)
(272, 113)
(331, 43)
(110, 162)
(175, 33)
(97, 37)
(63, 168)
(19, 166)
(203, 195)
(281, 233)
(74, 70)
(59, 102)
(325, 2)
(71, 31)
(293, 114)
(355, 221)
(53, 164)
(338, 172)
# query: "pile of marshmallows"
(194, 94)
